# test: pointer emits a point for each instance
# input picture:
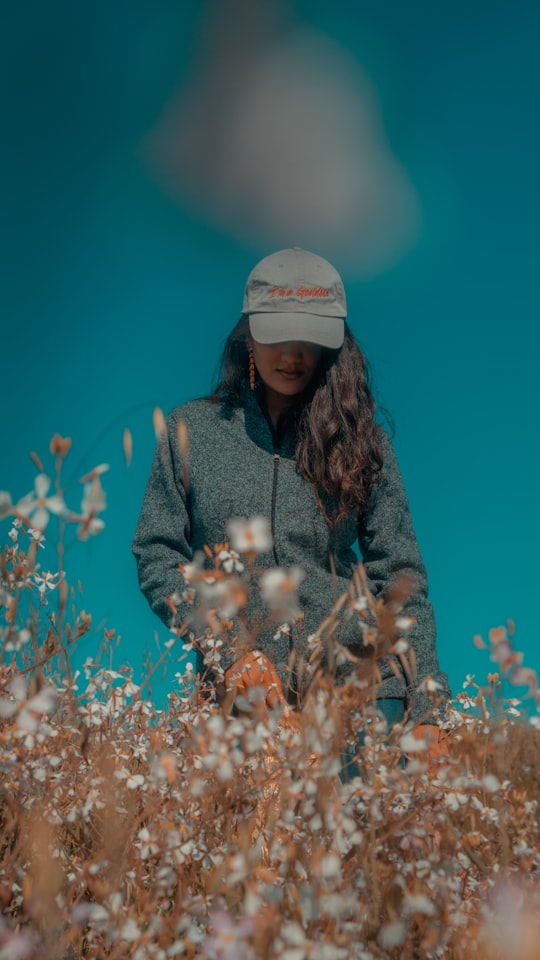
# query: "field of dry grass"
(201, 831)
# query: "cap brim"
(306, 327)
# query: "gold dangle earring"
(251, 366)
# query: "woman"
(290, 435)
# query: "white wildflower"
(28, 711)
(418, 903)
(284, 630)
(130, 931)
(360, 603)
(84, 913)
(93, 503)
(95, 472)
(330, 866)
(192, 571)
(279, 590)
(228, 936)
(400, 803)
(47, 581)
(17, 642)
(250, 536)
(230, 561)
(392, 934)
(455, 800)
(401, 646)
(523, 849)
(328, 951)
(148, 847)
(90, 528)
(38, 506)
(93, 500)
(136, 780)
(226, 596)
(411, 744)
(225, 769)
(292, 934)
(216, 724)
(6, 505)
(37, 535)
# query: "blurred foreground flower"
(93, 502)
(228, 937)
(37, 506)
(509, 660)
(279, 591)
(226, 595)
(511, 927)
(250, 536)
(28, 711)
(6, 505)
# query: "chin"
(293, 391)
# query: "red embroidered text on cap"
(300, 292)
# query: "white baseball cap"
(296, 295)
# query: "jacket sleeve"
(162, 537)
(390, 550)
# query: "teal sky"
(118, 288)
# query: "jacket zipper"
(292, 692)
(277, 459)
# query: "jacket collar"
(260, 429)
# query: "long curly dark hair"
(338, 448)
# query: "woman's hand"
(251, 670)
(436, 739)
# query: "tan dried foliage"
(253, 832)
(60, 446)
(160, 426)
(127, 441)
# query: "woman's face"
(286, 369)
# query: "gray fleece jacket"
(239, 467)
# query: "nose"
(292, 349)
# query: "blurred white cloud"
(277, 139)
